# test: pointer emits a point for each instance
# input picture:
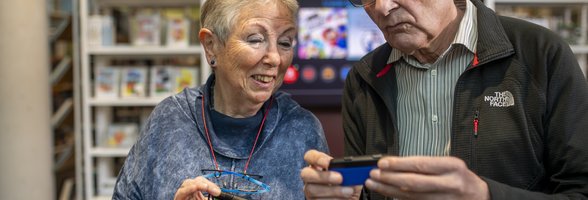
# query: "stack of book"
(114, 82)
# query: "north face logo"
(500, 99)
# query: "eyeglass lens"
(232, 181)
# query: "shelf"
(102, 198)
(109, 152)
(63, 66)
(147, 50)
(58, 24)
(98, 112)
(147, 101)
(144, 3)
(542, 1)
(62, 112)
(580, 49)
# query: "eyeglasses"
(236, 183)
(361, 3)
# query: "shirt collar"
(466, 34)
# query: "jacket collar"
(493, 43)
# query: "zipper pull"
(476, 122)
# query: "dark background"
(323, 99)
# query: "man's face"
(410, 25)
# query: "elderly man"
(467, 104)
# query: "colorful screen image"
(322, 33)
(364, 34)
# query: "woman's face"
(257, 53)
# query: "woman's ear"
(209, 42)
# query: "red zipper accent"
(384, 71)
(476, 123)
(475, 61)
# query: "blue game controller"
(354, 169)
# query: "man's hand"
(322, 184)
(191, 189)
(426, 178)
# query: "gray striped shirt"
(425, 92)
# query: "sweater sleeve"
(133, 178)
(127, 183)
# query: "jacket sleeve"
(352, 121)
(565, 128)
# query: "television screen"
(332, 35)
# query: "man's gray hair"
(219, 15)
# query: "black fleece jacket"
(525, 90)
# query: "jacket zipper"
(476, 123)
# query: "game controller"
(355, 169)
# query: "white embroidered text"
(500, 99)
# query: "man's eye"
(285, 44)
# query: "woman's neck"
(227, 104)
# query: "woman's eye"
(255, 40)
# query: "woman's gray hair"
(219, 15)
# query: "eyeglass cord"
(254, 143)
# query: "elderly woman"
(236, 123)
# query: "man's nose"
(385, 6)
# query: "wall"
(330, 118)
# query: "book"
(120, 135)
(177, 28)
(194, 19)
(108, 30)
(161, 81)
(105, 176)
(106, 82)
(134, 82)
(146, 28)
(94, 30)
(185, 77)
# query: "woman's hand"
(322, 184)
(192, 189)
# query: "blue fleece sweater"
(173, 147)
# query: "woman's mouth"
(263, 78)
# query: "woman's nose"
(272, 56)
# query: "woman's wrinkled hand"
(192, 189)
(322, 184)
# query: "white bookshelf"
(109, 152)
(130, 50)
(569, 11)
(96, 111)
(148, 101)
